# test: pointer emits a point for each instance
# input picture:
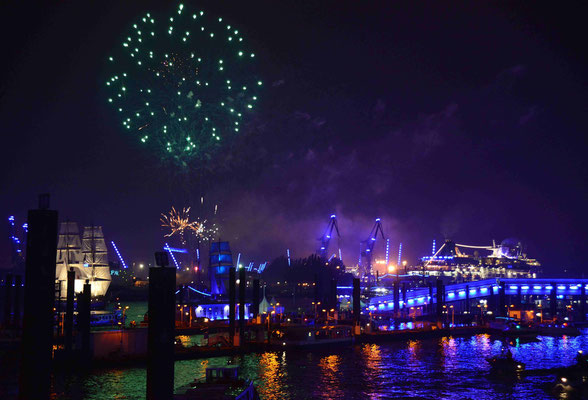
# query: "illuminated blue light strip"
(172, 255)
(175, 250)
(118, 254)
(198, 291)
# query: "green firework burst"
(183, 84)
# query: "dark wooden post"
(440, 297)
(232, 305)
(396, 298)
(255, 305)
(502, 306)
(583, 302)
(356, 301)
(161, 330)
(553, 300)
(84, 313)
(242, 285)
(39, 300)
(69, 309)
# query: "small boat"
(505, 365)
(221, 383)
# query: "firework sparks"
(183, 84)
(179, 223)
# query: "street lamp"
(452, 315)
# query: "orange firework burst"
(179, 223)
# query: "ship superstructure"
(506, 260)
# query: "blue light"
(472, 290)
(549, 287)
(198, 291)
(513, 287)
(377, 219)
(561, 287)
(462, 292)
(483, 290)
(166, 247)
(537, 287)
(450, 294)
(174, 250)
(333, 216)
(525, 287)
(118, 254)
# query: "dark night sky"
(465, 121)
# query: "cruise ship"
(469, 263)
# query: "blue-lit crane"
(367, 249)
(323, 250)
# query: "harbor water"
(445, 368)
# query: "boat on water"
(505, 365)
(512, 327)
(573, 382)
(222, 383)
(309, 335)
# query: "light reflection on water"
(443, 368)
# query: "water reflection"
(430, 369)
(330, 378)
(272, 377)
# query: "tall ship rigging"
(88, 257)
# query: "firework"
(179, 223)
(183, 84)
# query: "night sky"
(465, 121)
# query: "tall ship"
(88, 257)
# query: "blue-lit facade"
(482, 290)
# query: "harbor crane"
(367, 249)
(323, 250)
